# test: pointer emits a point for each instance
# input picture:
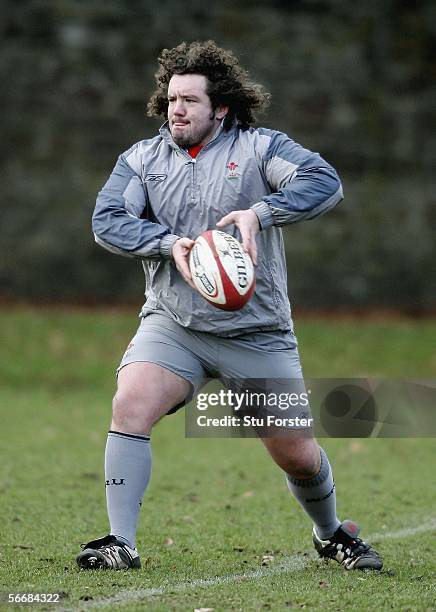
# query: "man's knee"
(300, 458)
(146, 392)
(303, 468)
(136, 413)
(126, 406)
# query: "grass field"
(218, 528)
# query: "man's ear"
(221, 112)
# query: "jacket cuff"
(166, 244)
(264, 214)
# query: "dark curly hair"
(228, 83)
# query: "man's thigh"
(267, 355)
(161, 341)
(145, 393)
(265, 369)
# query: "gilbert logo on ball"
(221, 270)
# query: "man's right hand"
(180, 253)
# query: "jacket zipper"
(192, 199)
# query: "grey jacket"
(158, 193)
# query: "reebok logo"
(155, 178)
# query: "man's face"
(192, 120)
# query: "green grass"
(214, 508)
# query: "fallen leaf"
(247, 494)
(266, 559)
(356, 447)
(323, 584)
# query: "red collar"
(194, 151)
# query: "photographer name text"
(250, 421)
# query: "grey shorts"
(199, 356)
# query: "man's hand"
(248, 224)
(180, 253)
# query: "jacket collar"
(220, 133)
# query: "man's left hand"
(180, 252)
(248, 224)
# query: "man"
(207, 168)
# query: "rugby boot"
(108, 553)
(347, 549)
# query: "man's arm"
(116, 220)
(305, 185)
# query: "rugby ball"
(221, 270)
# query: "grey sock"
(317, 496)
(127, 472)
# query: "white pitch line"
(406, 532)
(289, 564)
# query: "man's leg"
(146, 392)
(309, 478)
(269, 361)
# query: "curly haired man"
(209, 167)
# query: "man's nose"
(179, 108)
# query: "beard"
(192, 136)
